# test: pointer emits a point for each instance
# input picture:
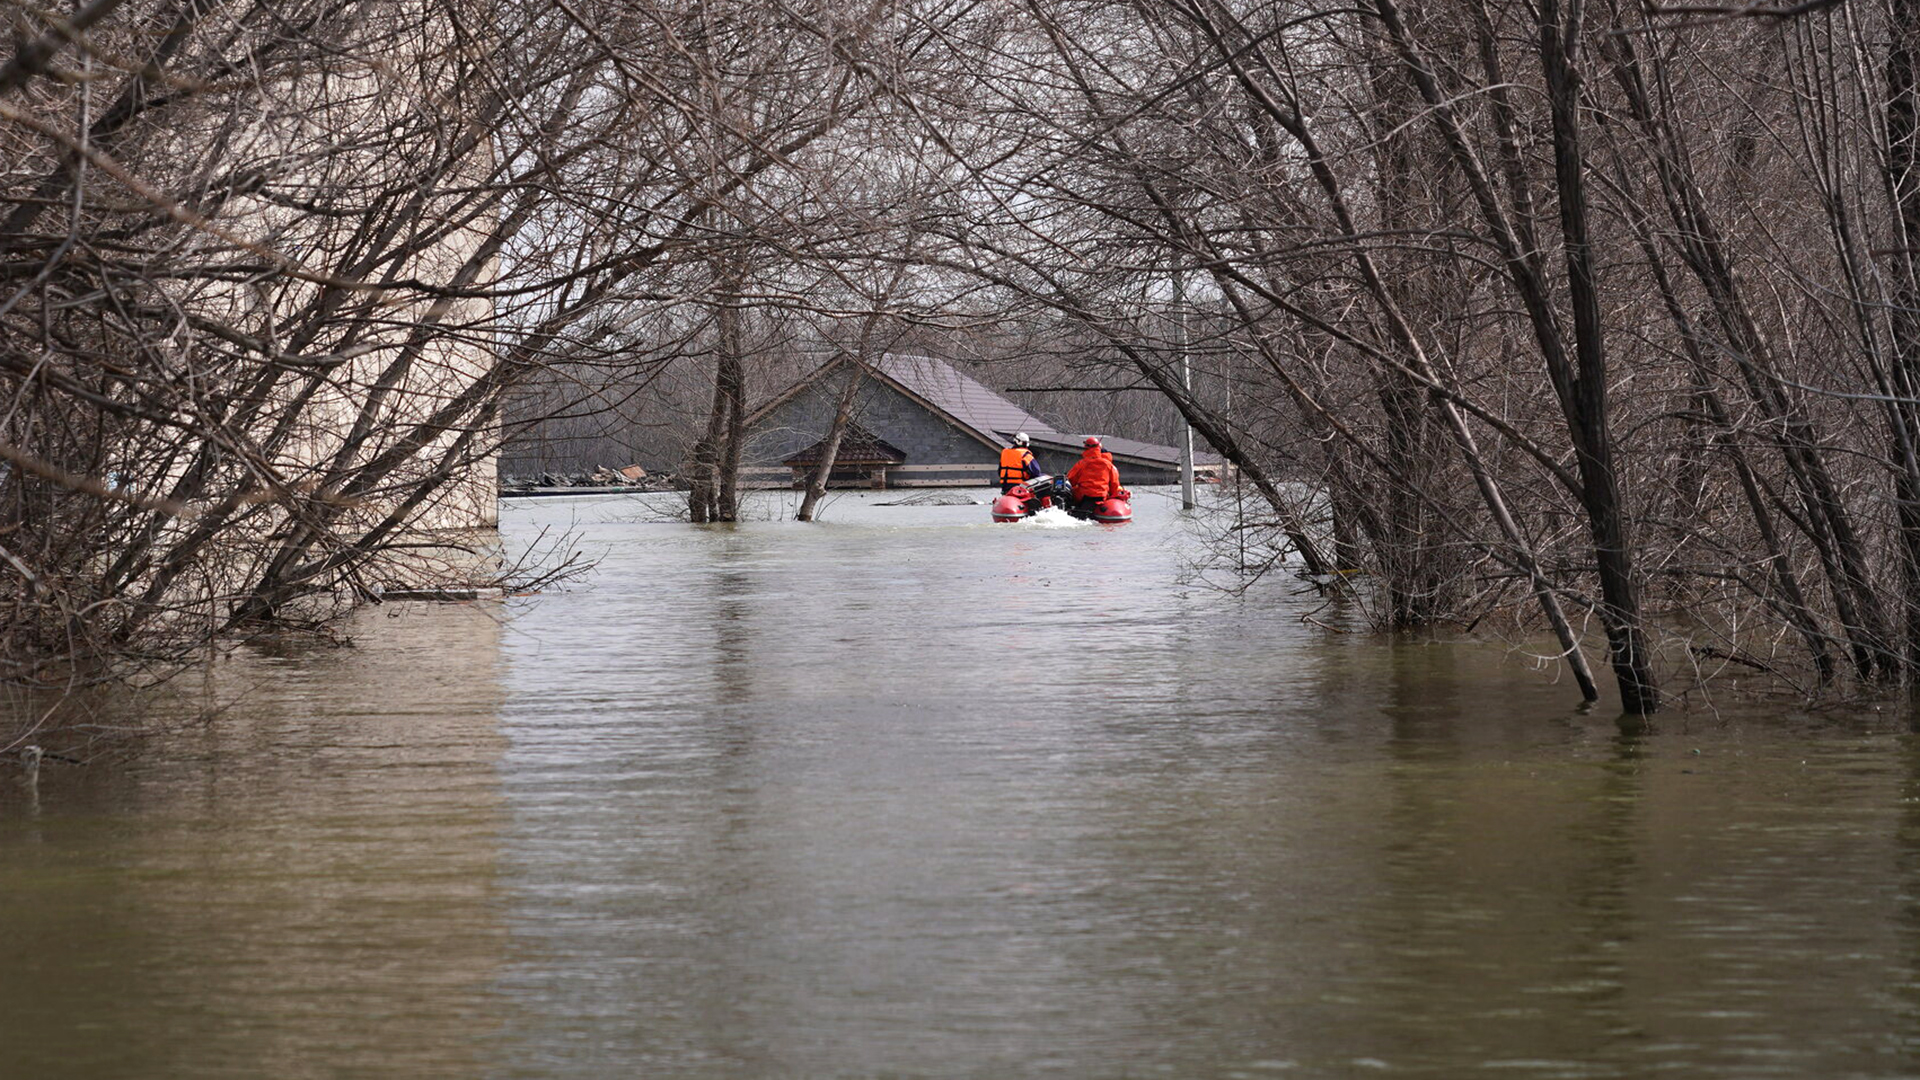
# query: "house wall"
(925, 437)
(320, 115)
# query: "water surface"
(909, 794)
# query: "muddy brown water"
(907, 794)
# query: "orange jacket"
(1094, 477)
(1118, 492)
(1016, 464)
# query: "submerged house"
(919, 422)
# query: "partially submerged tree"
(1569, 314)
(1571, 297)
(268, 274)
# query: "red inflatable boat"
(1023, 501)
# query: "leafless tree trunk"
(816, 485)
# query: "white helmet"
(1019, 438)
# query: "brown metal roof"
(1125, 450)
(992, 418)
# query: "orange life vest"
(1013, 464)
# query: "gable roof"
(990, 417)
(983, 413)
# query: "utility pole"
(1186, 387)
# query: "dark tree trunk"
(732, 385)
(703, 496)
(1824, 518)
(1903, 413)
(856, 364)
(1585, 398)
(715, 491)
(830, 446)
(1790, 602)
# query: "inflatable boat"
(1022, 501)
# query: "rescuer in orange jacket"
(1118, 491)
(1093, 477)
(1016, 464)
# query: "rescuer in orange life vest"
(1093, 477)
(1016, 464)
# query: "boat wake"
(1054, 517)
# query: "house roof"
(1123, 449)
(982, 412)
(992, 418)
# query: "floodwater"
(907, 794)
